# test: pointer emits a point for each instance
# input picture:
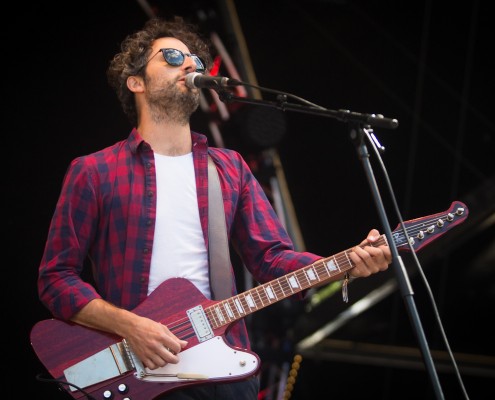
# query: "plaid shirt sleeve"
(72, 227)
(104, 221)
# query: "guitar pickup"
(200, 323)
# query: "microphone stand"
(358, 123)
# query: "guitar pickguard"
(212, 359)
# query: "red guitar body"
(60, 345)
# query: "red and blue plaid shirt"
(106, 215)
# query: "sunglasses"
(176, 58)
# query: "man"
(138, 210)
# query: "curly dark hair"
(136, 49)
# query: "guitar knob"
(123, 388)
(107, 394)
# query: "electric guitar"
(97, 365)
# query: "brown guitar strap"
(218, 248)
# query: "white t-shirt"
(178, 248)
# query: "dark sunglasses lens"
(200, 66)
(173, 57)
(176, 58)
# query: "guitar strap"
(218, 248)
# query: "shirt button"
(146, 250)
(148, 222)
(142, 279)
(149, 165)
(150, 193)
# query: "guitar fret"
(317, 272)
(348, 259)
(269, 292)
(288, 286)
(238, 305)
(264, 295)
(328, 265)
(227, 312)
(331, 266)
(228, 309)
(247, 302)
(282, 286)
(293, 282)
(233, 307)
(257, 290)
(219, 314)
(250, 301)
(212, 319)
(302, 278)
(287, 291)
(281, 289)
(310, 274)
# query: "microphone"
(195, 80)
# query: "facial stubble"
(169, 102)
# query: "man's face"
(166, 92)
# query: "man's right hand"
(151, 342)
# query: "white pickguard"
(212, 359)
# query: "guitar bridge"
(108, 363)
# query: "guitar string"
(285, 288)
(281, 288)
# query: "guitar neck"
(420, 232)
(227, 311)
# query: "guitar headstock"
(422, 231)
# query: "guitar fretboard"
(243, 304)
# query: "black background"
(426, 63)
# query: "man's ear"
(135, 84)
